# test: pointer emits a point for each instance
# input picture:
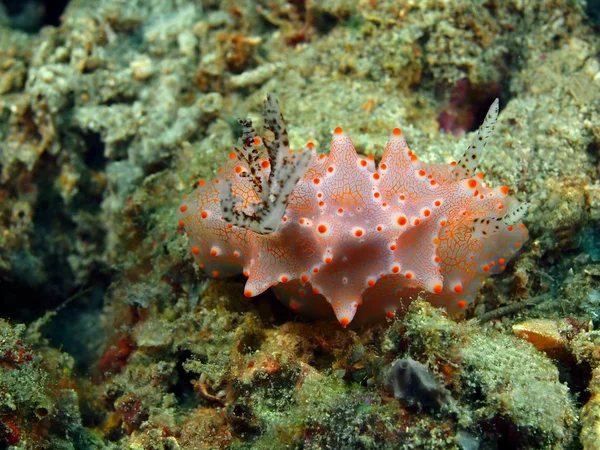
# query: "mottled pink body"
(357, 239)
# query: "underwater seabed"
(113, 337)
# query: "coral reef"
(111, 111)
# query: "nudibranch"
(340, 236)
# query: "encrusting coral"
(338, 229)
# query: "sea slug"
(339, 233)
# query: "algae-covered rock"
(500, 382)
(590, 414)
(23, 382)
(517, 387)
(39, 405)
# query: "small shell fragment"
(544, 334)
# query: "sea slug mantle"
(339, 233)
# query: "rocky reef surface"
(110, 111)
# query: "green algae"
(498, 378)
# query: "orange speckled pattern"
(358, 239)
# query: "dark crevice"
(469, 104)
(78, 316)
(184, 389)
(577, 377)
(94, 157)
(40, 277)
(593, 11)
(325, 22)
(31, 15)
